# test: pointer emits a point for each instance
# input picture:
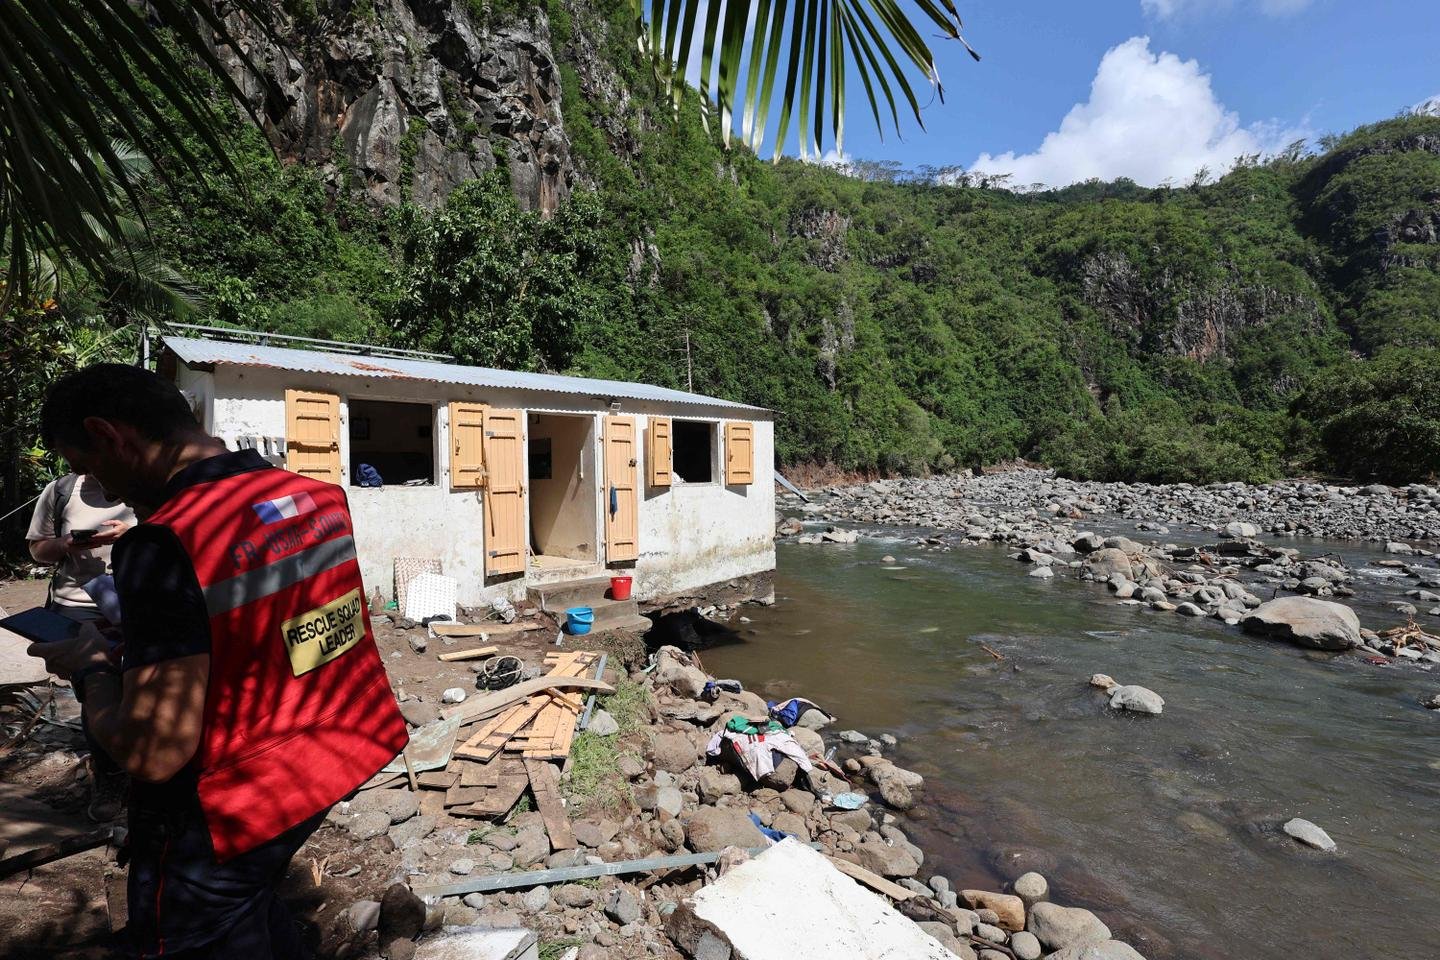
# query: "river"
(1165, 826)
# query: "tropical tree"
(76, 74)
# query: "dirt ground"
(63, 911)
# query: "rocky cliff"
(406, 99)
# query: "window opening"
(693, 446)
(391, 444)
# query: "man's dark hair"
(114, 391)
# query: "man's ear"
(105, 435)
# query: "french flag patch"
(273, 511)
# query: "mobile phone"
(80, 536)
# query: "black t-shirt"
(162, 609)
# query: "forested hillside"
(1281, 318)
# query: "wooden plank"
(59, 850)
(471, 654)
(479, 774)
(545, 785)
(874, 881)
(438, 779)
(460, 796)
(486, 705)
(498, 800)
(482, 629)
(492, 737)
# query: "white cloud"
(1150, 117)
(1173, 9)
(1428, 108)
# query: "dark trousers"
(184, 904)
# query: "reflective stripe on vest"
(265, 581)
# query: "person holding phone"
(74, 525)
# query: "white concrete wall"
(691, 535)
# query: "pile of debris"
(725, 800)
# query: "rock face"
(1306, 622)
(412, 98)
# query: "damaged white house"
(512, 480)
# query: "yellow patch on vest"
(324, 633)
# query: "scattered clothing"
(754, 746)
(776, 835)
(367, 476)
(790, 711)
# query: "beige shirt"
(87, 509)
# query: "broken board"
(497, 800)
(545, 785)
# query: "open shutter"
(739, 452)
(467, 445)
(504, 452)
(621, 501)
(658, 452)
(312, 434)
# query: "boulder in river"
(1059, 927)
(1104, 950)
(1309, 834)
(1307, 622)
(1136, 699)
(1105, 563)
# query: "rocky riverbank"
(1268, 589)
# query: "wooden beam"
(472, 654)
(874, 881)
(51, 852)
(481, 629)
(477, 708)
(545, 785)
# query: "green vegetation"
(1280, 319)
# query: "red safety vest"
(298, 712)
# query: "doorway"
(563, 487)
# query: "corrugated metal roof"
(314, 361)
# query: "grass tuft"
(595, 783)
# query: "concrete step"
(556, 597)
(634, 624)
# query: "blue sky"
(1154, 89)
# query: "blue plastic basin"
(578, 620)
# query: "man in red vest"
(245, 696)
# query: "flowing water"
(1165, 826)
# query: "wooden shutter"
(312, 434)
(658, 452)
(621, 501)
(504, 453)
(467, 445)
(739, 452)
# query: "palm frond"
(813, 44)
(75, 74)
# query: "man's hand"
(63, 657)
(109, 532)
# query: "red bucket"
(620, 588)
